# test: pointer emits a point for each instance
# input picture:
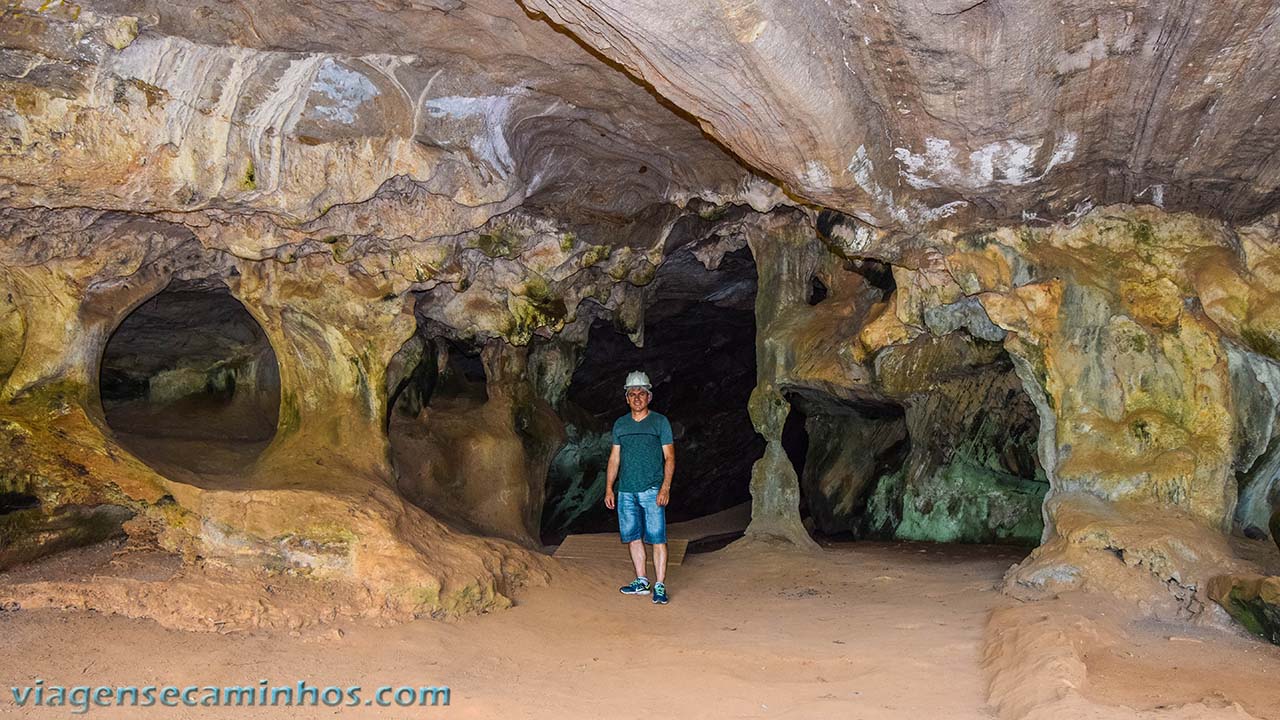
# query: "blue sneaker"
(639, 586)
(659, 594)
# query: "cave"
(697, 345)
(189, 382)
(966, 315)
(952, 462)
(459, 447)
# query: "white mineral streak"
(200, 81)
(816, 176)
(212, 113)
(279, 112)
(1005, 162)
(761, 194)
(914, 213)
(930, 214)
(1156, 193)
(853, 239)
(346, 87)
(1082, 58)
(492, 111)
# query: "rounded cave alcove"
(454, 452)
(189, 383)
(699, 352)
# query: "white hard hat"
(638, 379)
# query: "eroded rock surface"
(1120, 330)
(979, 108)
(943, 289)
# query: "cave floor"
(872, 630)
(205, 443)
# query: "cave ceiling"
(905, 111)
(437, 116)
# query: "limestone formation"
(949, 271)
(1111, 325)
(847, 455)
(971, 474)
(775, 487)
(981, 108)
(483, 462)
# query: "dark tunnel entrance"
(952, 458)
(699, 353)
(189, 382)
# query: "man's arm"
(668, 471)
(610, 475)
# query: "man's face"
(638, 399)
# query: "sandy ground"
(1177, 665)
(876, 631)
(859, 631)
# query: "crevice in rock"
(15, 501)
(13, 330)
(818, 290)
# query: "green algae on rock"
(1253, 600)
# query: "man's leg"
(637, 557)
(659, 562)
(655, 531)
(630, 527)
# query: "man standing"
(643, 459)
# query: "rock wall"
(321, 501)
(445, 114)
(931, 263)
(971, 474)
(1135, 347)
(943, 112)
(1118, 366)
(928, 438)
(482, 464)
(1121, 327)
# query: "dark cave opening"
(818, 290)
(699, 352)
(842, 449)
(189, 382)
(949, 458)
(430, 366)
(11, 502)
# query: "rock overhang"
(906, 115)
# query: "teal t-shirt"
(641, 452)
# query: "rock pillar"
(334, 334)
(779, 246)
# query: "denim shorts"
(641, 510)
